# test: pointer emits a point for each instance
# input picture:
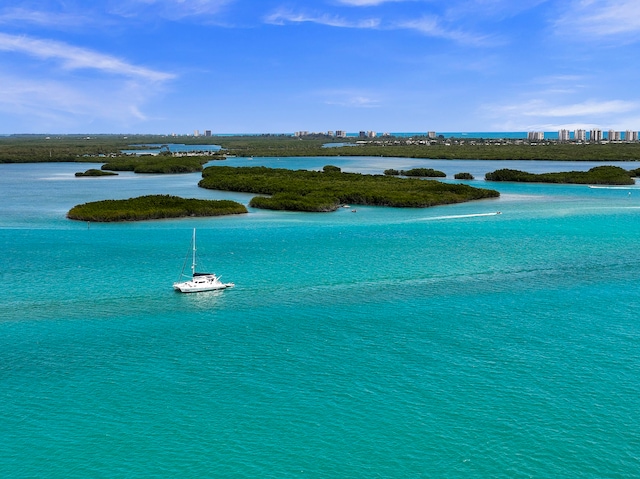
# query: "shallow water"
(441, 342)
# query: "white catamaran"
(199, 281)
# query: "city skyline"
(237, 66)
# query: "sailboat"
(199, 281)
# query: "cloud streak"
(601, 18)
(588, 108)
(20, 16)
(73, 58)
(431, 26)
(547, 115)
(282, 17)
(169, 9)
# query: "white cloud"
(585, 109)
(72, 57)
(426, 25)
(546, 115)
(42, 18)
(54, 99)
(168, 9)
(53, 105)
(433, 27)
(282, 17)
(601, 18)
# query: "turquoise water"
(439, 342)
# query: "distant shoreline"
(108, 148)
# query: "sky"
(280, 66)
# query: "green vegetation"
(421, 147)
(303, 190)
(152, 207)
(600, 175)
(101, 148)
(94, 172)
(94, 148)
(157, 164)
(463, 176)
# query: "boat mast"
(193, 261)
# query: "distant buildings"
(564, 135)
(595, 135)
(613, 135)
(535, 136)
(330, 133)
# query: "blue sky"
(271, 66)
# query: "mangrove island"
(323, 191)
(152, 207)
(600, 175)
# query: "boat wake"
(455, 217)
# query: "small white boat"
(199, 281)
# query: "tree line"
(152, 207)
(302, 190)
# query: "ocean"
(394, 343)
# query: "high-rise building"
(580, 135)
(563, 135)
(630, 135)
(341, 133)
(535, 136)
(207, 132)
(595, 135)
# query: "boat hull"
(200, 283)
(183, 288)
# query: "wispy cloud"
(57, 106)
(431, 26)
(74, 85)
(169, 9)
(72, 57)
(589, 108)
(282, 17)
(601, 18)
(547, 115)
(42, 18)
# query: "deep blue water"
(441, 342)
